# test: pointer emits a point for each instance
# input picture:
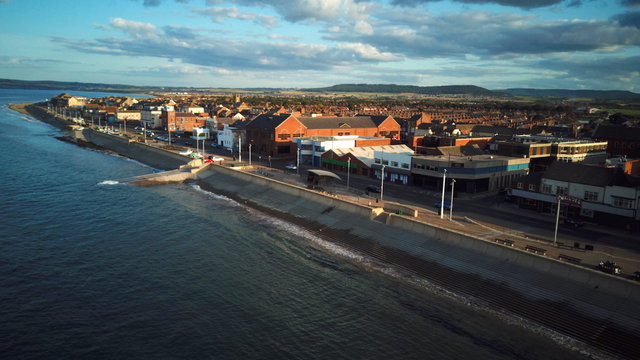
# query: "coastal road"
(492, 209)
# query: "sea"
(94, 268)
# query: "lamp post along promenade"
(444, 182)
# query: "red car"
(213, 159)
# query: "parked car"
(438, 205)
(291, 166)
(609, 267)
(636, 276)
(572, 221)
(213, 159)
(372, 189)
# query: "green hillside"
(411, 89)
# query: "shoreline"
(559, 316)
(556, 315)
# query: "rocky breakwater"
(593, 307)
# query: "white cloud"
(483, 34)
(368, 52)
(219, 14)
(196, 49)
(363, 27)
(138, 30)
(312, 10)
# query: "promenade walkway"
(494, 230)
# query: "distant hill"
(411, 89)
(77, 86)
(569, 94)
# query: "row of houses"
(418, 151)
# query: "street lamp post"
(382, 184)
(239, 149)
(249, 154)
(298, 161)
(348, 171)
(444, 177)
(555, 234)
(453, 181)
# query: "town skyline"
(495, 44)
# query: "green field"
(630, 112)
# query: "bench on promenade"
(571, 259)
(536, 250)
(506, 242)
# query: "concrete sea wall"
(589, 292)
(154, 157)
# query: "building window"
(284, 136)
(591, 196)
(340, 134)
(405, 165)
(623, 203)
(520, 185)
(546, 188)
(376, 160)
(532, 187)
(394, 163)
(586, 212)
(561, 190)
(385, 162)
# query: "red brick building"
(621, 140)
(183, 121)
(273, 134)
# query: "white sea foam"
(109, 182)
(214, 195)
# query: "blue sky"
(497, 44)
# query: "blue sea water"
(94, 268)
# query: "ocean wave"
(214, 195)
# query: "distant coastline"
(454, 91)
